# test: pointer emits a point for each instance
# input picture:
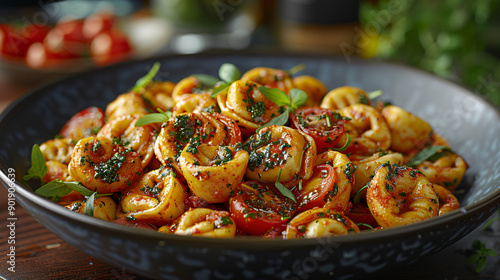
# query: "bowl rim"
(249, 243)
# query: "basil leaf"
(296, 69)
(38, 167)
(275, 95)
(154, 118)
(480, 264)
(357, 196)
(54, 190)
(374, 94)
(432, 153)
(491, 252)
(279, 120)
(346, 145)
(297, 98)
(284, 190)
(219, 89)
(363, 224)
(229, 73)
(76, 186)
(206, 80)
(146, 79)
(89, 205)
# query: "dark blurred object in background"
(318, 25)
(201, 25)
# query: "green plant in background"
(452, 38)
(478, 258)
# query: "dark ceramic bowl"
(471, 125)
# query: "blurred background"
(42, 40)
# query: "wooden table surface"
(39, 254)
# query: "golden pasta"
(263, 154)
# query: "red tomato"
(96, 24)
(275, 232)
(110, 47)
(16, 41)
(67, 38)
(38, 56)
(360, 214)
(84, 124)
(323, 125)
(317, 189)
(12, 43)
(72, 29)
(258, 207)
(35, 32)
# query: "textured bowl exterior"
(471, 125)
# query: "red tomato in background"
(317, 189)
(72, 29)
(258, 207)
(12, 43)
(34, 32)
(323, 125)
(17, 41)
(39, 56)
(96, 24)
(84, 124)
(110, 47)
(67, 38)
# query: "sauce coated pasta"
(265, 154)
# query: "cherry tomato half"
(360, 214)
(323, 125)
(317, 189)
(258, 207)
(84, 124)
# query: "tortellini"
(212, 172)
(342, 97)
(158, 197)
(279, 152)
(367, 129)
(254, 161)
(244, 103)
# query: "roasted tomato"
(316, 190)
(323, 125)
(258, 207)
(84, 124)
(361, 215)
